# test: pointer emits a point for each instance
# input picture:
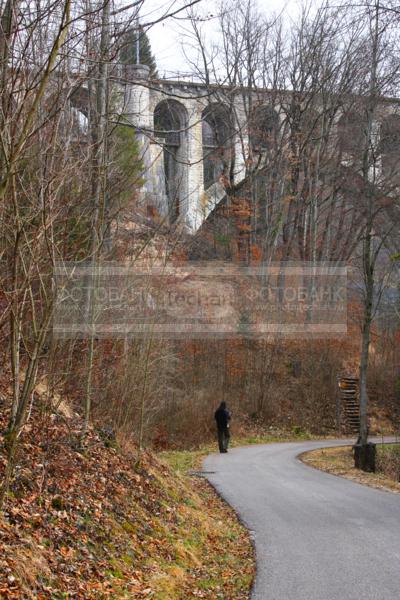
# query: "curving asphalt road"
(317, 536)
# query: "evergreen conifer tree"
(128, 50)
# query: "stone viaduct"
(188, 141)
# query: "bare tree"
(379, 188)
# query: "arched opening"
(263, 127)
(170, 125)
(216, 138)
(351, 133)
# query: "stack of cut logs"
(349, 406)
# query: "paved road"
(317, 536)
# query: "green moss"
(194, 541)
(115, 573)
(58, 503)
(128, 527)
(128, 558)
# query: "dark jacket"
(222, 416)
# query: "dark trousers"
(223, 439)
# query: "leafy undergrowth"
(340, 461)
(88, 523)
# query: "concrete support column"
(194, 210)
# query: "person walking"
(222, 417)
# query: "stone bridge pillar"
(137, 111)
(137, 95)
(194, 210)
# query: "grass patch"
(296, 435)
(212, 549)
(340, 461)
(182, 461)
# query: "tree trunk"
(368, 257)
(99, 134)
(366, 335)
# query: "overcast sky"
(167, 37)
